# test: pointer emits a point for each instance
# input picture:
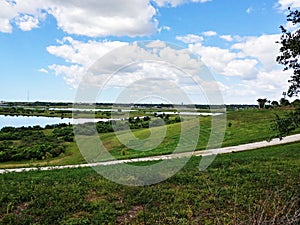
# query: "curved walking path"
(238, 148)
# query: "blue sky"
(46, 46)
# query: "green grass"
(245, 127)
(253, 187)
(248, 126)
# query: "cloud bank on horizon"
(244, 65)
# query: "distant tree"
(274, 103)
(262, 102)
(296, 103)
(146, 118)
(284, 102)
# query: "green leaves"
(290, 52)
(285, 125)
(17, 144)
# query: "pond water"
(26, 121)
(91, 110)
(190, 113)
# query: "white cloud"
(27, 23)
(249, 10)
(5, 26)
(225, 62)
(291, 27)
(82, 53)
(190, 38)
(96, 18)
(6, 14)
(264, 48)
(284, 4)
(133, 67)
(93, 18)
(43, 70)
(228, 38)
(167, 28)
(71, 74)
(174, 3)
(214, 57)
(246, 68)
(25, 14)
(209, 33)
(249, 52)
(268, 85)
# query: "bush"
(25, 143)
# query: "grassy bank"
(254, 187)
(241, 127)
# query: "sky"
(47, 47)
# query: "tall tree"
(290, 58)
(262, 102)
(290, 52)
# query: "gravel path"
(239, 148)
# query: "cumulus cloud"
(190, 38)
(248, 67)
(5, 25)
(209, 33)
(228, 38)
(81, 55)
(25, 14)
(140, 69)
(27, 23)
(71, 74)
(264, 48)
(96, 18)
(214, 57)
(249, 59)
(93, 18)
(167, 28)
(267, 85)
(284, 4)
(6, 14)
(43, 70)
(247, 54)
(174, 3)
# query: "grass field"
(253, 187)
(242, 127)
(245, 127)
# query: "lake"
(26, 121)
(90, 110)
(190, 113)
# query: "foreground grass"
(253, 187)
